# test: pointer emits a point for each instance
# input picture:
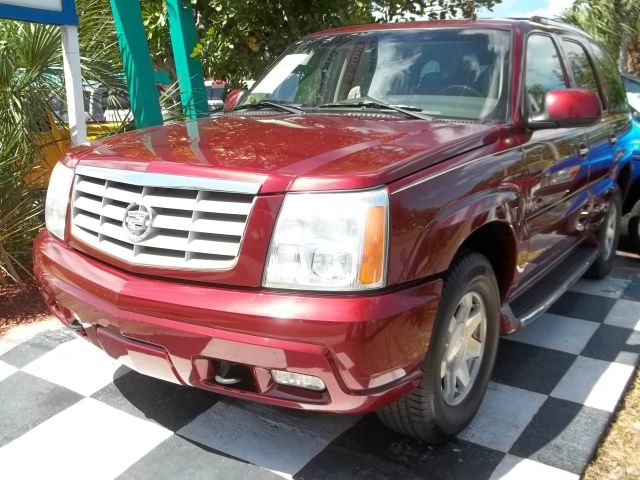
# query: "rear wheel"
(608, 237)
(458, 363)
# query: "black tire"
(424, 414)
(634, 233)
(607, 256)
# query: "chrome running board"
(537, 299)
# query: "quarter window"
(581, 67)
(612, 80)
(543, 70)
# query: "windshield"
(458, 73)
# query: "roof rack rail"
(557, 23)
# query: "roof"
(535, 22)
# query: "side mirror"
(232, 99)
(570, 108)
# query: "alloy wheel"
(611, 230)
(464, 349)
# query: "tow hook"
(75, 324)
(222, 370)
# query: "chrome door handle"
(583, 150)
(613, 139)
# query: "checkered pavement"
(68, 411)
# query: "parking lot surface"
(69, 411)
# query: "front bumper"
(366, 348)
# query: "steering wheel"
(463, 88)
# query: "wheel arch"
(624, 180)
(496, 240)
(631, 202)
(486, 222)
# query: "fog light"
(298, 380)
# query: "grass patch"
(618, 457)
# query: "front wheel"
(608, 238)
(460, 358)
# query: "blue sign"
(55, 12)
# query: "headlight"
(330, 241)
(55, 212)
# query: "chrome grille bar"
(198, 223)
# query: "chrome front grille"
(198, 223)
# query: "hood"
(290, 152)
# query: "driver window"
(583, 74)
(543, 71)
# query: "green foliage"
(19, 209)
(31, 75)
(154, 19)
(613, 23)
(27, 72)
(239, 39)
(396, 10)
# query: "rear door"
(616, 114)
(600, 135)
(602, 138)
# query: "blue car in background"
(632, 204)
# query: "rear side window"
(543, 70)
(581, 67)
(612, 80)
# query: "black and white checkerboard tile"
(68, 411)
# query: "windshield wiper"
(275, 105)
(368, 102)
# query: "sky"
(527, 8)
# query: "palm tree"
(613, 23)
(31, 75)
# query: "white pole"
(73, 84)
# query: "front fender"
(435, 211)
(442, 238)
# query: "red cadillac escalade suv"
(360, 228)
